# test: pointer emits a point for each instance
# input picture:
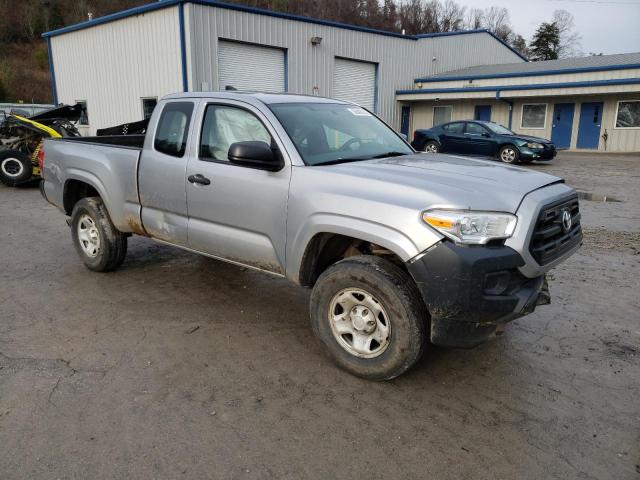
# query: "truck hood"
(449, 181)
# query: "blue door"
(589, 128)
(404, 122)
(483, 112)
(562, 124)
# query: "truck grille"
(551, 237)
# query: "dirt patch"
(601, 238)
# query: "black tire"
(431, 147)
(398, 295)
(15, 168)
(504, 157)
(112, 246)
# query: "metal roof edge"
(534, 86)
(535, 73)
(259, 11)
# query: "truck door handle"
(199, 178)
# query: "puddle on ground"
(596, 197)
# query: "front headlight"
(471, 228)
(534, 145)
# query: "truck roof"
(266, 98)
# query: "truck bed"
(108, 164)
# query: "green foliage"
(3, 92)
(41, 57)
(545, 43)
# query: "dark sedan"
(483, 138)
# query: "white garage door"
(355, 82)
(250, 67)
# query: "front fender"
(388, 237)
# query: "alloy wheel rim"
(508, 155)
(359, 323)
(12, 167)
(88, 236)
(431, 148)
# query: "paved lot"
(178, 366)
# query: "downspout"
(508, 102)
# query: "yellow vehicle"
(21, 140)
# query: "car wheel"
(509, 154)
(15, 168)
(370, 316)
(431, 147)
(100, 245)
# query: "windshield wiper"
(388, 154)
(359, 159)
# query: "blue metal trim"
(535, 86)
(286, 70)
(114, 16)
(537, 73)
(183, 49)
(52, 72)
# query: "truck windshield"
(329, 133)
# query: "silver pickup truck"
(400, 248)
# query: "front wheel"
(100, 245)
(370, 316)
(509, 154)
(432, 146)
(15, 168)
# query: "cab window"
(454, 128)
(225, 125)
(173, 128)
(475, 129)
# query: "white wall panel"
(355, 82)
(113, 65)
(250, 67)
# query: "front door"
(589, 127)
(240, 215)
(483, 113)
(562, 124)
(478, 140)
(404, 122)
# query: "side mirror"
(255, 154)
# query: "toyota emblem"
(566, 220)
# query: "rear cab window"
(173, 128)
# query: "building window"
(84, 116)
(534, 115)
(173, 128)
(442, 114)
(628, 114)
(148, 104)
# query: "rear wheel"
(100, 245)
(509, 154)
(370, 316)
(432, 146)
(15, 168)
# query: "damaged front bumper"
(472, 290)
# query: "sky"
(606, 26)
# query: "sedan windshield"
(499, 129)
(329, 133)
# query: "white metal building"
(589, 103)
(121, 63)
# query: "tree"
(545, 42)
(496, 20)
(569, 40)
(520, 44)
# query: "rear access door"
(236, 213)
(562, 124)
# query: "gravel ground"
(179, 366)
